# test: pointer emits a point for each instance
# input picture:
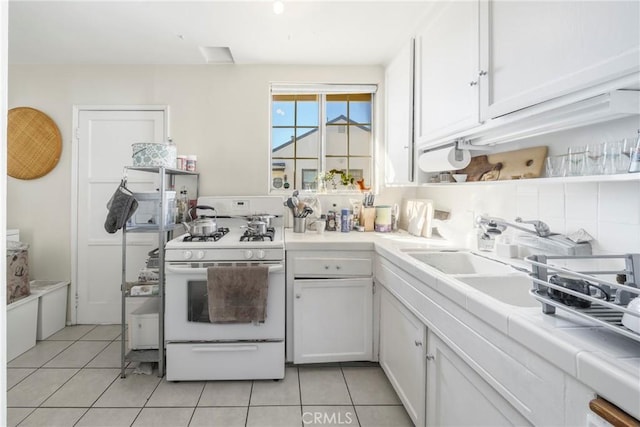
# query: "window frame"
(323, 91)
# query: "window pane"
(282, 174)
(336, 140)
(307, 113)
(359, 141)
(360, 112)
(336, 110)
(307, 142)
(281, 140)
(359, 168)
(282, 113)
(306, 173)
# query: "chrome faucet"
(497, 225)
(542, 240)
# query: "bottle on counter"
(345, 225)
(183, 206)
(331, 221)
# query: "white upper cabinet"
(447, 68)
(541, 50)
(478, 61)
(399, 117)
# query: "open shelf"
(622, 177)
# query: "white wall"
(220, 113)
(609, 211)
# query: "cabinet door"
(332, 320)
(402, 354)
(458, 396)
(580, 44)
(399, 117)
(447, 62)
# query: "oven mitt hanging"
(121, 207)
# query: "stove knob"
(187, 254)
(200, 254)
(248, 254)
(261, 254)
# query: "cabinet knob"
(418, 343)
(338, 267)
(326, 267)
(473, 83)
(298, 296)
(431, 357)
(482, 73)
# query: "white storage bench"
(52, 306)
(22, 322)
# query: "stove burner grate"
(252, 236)
(210, 238)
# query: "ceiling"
(313, 32)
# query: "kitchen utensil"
(258, 227)
(526, 163)
(202, 226)
(629, 320)
(299, 225)
(577, 285)
(264, 218)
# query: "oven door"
(186, 300)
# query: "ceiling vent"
(216, 55)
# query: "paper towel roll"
(443, 160)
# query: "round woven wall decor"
(34, 143)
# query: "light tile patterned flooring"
(73, 379)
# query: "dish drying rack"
(605, 313)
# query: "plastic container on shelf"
(147, 213)
(52, 306)
(22, 326)
(143, 326)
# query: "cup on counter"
(299, 225)
(320, 226)
(577, 155)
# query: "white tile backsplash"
(608, 211)
(581, 201)
(619, 202)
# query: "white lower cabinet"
(403, 354)
(332, 320)
(458, 396)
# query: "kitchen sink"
(461, 263)
(512, 290)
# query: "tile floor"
(72, 379)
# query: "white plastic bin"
(143, 325)
(52, 306)
(22, 322)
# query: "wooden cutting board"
(518, 164)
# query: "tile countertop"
(604, 361)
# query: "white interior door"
(102, 150)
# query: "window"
(321, 131)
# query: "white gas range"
(198, 349)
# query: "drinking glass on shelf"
(577, 155)
(556, 166)
(626, 146)
(595, 153)
(612, 154)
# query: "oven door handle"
(223, 348)
(190, 270)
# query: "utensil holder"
(299, 225)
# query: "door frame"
(77, 109)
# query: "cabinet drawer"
(225, 361)
(334, 265)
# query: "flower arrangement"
(328, 178)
